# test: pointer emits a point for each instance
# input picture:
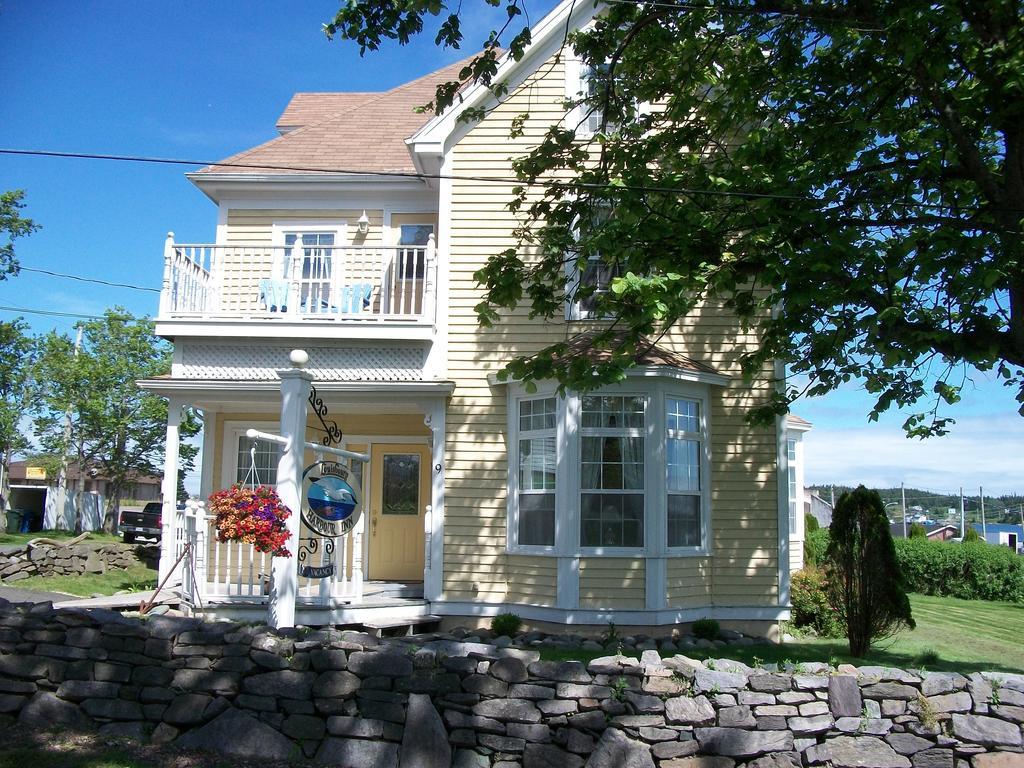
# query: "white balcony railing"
(361, 284)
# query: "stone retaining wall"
(46, 560)
(346, 699)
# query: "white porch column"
(294, 398)
(170, 486)
(433, 576)
(211, 446)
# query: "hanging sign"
(331, 499)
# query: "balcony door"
(309, 264)
(411, 233)
(401, 491)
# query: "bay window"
(621, 471)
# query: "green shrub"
(970, 571)
(808, 592)
(865, 583)
(706, 629)
(810, 526)
(917, 531)
(506, 624)
(810, 523)
(971, 534)
(816, 542)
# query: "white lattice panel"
(251, 362)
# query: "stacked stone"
(346, 698)
(46, 560)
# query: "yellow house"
(354, 236)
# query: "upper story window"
(588, 285)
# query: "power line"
(89, 279)
(53, 313)
(459, 177)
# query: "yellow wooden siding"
(688, 582)
(532, 580)
(612, 582)
(743, 568)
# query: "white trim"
(782, 479)
(437, 358)
(209, 452)
(648, 371)
(567, 585)
(622, 616)
(434, 138)
(316, 327)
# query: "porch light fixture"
(363, 224)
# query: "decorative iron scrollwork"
(308, 548)
(334, 433)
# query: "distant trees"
(866, 583)
(116, 427)
(16, 354)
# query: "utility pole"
(62, 475)
(833, 496)
(984, 529)
(963, 530)
(903, 504)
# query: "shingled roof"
(363, 132)
(647, 353)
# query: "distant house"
(1002, 534)
(934, 531)
(817, 507)
(34, 494)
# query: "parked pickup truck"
(146, 523)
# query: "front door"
(401, 491)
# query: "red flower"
(253, 516)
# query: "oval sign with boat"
(331, 498)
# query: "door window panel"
(401, 484)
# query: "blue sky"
(203, 80)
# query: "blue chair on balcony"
(274, 294)
(355, 298)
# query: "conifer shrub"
(971, 534)
(865, 582)
(917, 531)
(506, 624)
(706, 629)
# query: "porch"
(383, 566)
(300, 284)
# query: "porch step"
(390, 627)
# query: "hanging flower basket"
(254, 516)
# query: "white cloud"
(981, 451)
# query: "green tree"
(13, 225)
(16, 352)
(866, 582)
(971, 534)
(917, 531)
(857, 166)
(117, 428)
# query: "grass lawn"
(23, 538)
(137, 578)
(966, 635)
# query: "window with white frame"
(537, 471)
(257, 461)
(594, 280)
(612, 471)
(683, 459)
(791, 464)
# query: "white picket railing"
(230, 571)
(357, 284)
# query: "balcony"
(282, 291)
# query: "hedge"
(970, 570)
